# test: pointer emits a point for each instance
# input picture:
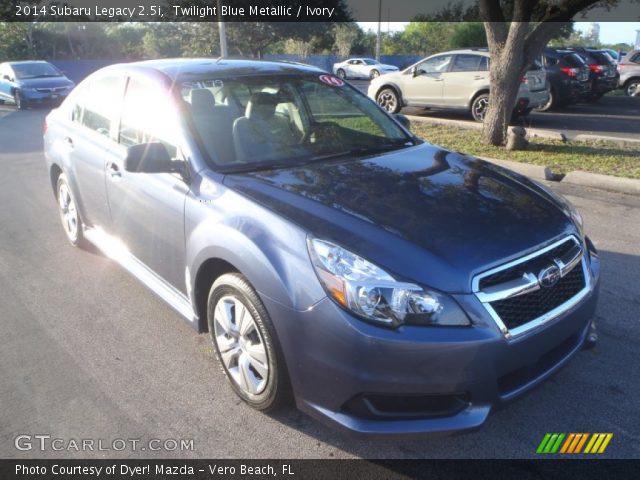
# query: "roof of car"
(474, 51)
(201, 67)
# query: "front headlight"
(371, 293)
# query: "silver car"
(362, 68)
(629, 70)
(454, 80)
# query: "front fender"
(267, 249)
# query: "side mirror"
(414, 71)
(402, 120)
(149, 158)
(6, 77)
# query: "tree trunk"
(505, 76)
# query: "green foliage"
(470, 34)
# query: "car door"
(355, 68)
(89, 141)
(425, 85)
(468, 74)
(147, 209)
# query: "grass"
(603, 157)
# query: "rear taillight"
(570, 72)
(596, 68)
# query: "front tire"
(19, 101)
(69, 214)
(246, 344)
(479, 107)
(342, 74)
(389, 100)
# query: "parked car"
(567, 75)
(603, 75)
(389, 286)
(32, 82)
(362, 68)
(629, 69)
(454, 80)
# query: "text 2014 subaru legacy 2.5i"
(388, 286)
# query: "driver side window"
(439, 64)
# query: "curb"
(531, 132)
(603, 182)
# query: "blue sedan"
(32, 82)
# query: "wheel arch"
(393, 87)
(210, 270)
(54, 173)
(482, 91)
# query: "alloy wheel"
(480, 107)
(68, 212)
(241, 346)
(388, 101)
(632, 88)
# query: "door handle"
(439, 80)
(68, 141)
(114, 170)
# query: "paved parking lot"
(88, 352)
(611, 116)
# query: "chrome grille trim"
(529, 283)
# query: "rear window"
(601, 58)
(573, 60)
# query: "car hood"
(45, 82)
(423, 213)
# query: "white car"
(362, 68)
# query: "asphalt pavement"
(87, 352)
(611, 116)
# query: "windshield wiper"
(45, 75)
(361, 151)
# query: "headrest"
(262, 105)
(201, 100)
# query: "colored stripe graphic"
(556, 443)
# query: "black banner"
(276, 10)
(319, 469)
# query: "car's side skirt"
(113, 248)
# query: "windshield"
(35, 70)
(258, 122)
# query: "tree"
(346, 35)
(427, 37)
(469, 34)
(517, 31)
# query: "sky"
(610, 32)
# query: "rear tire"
(69, 214)
(389, 100)
(246, 344)
(551, 103)
(342, 74)
(374, 74)
(479, 107)
(631, 87)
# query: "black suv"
(603, 75)
(568, 77)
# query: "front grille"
(534, 265)
(519, 310)
(519, 295)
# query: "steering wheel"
(328, 129)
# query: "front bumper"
(335, 360)
(35, 97)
